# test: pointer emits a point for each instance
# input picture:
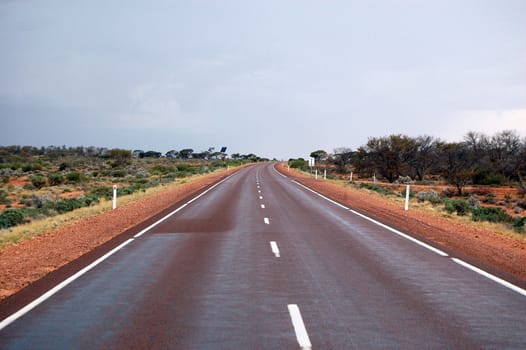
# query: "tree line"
(53, 152)
(478, 159)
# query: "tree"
(186, 153)
(342, 158)
(172, 154)
(120, 157)
(390, 155)
(424, 156)
(457, 164)
(319, 155)
(505, 148)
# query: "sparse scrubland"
(45, 187)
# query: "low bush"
(490, 198)
(102, 192)
(491, 214)
(70, 204)
(162, 169)
(55, 179)
(298, 164)
(4, 198)
(518, 224)
(10, 218)
(38, 181)
(489, 178)
(74, 177)
(459, 206)
(118, 173)
(375, 188)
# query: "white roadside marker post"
(316, 174)
(350, 178)
(114, 197)
(407, 189)
(325, 174)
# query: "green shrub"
(162, 169)
(118, 173)
(491, 214)
(518, 224)
(55, 179)
(183, 167)
(4, 198)
(74, 177)
(298, 164)
(10, 218)
(489, 178)
(461, 207)
(70, 204)
(102, 191)
(376, 188)
(38, 181)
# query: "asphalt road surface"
(260, 262)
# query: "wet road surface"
(259, 262)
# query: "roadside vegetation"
(41, 183)
(480, 178)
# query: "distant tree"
(186, 153)
(424, 157)
(152, 154)
(319, 155)
(235, 156)
(457, 164)
(390, 155)
(505, 149)
(172, 154)
(138, 153)
(120, 157)
(342, 158)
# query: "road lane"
(204, 278)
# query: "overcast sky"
(275, 78)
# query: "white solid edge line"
(181, 207)
(266, 221)
(211, 188)
(58, 287)
(321, 195)
(299, 327)
(280, 174)
(491, 277)
(159, 221)
(412, 239)
(275, 249)
(10, 319)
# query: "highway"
(260, 262)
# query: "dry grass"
(41, 226)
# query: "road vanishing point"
(258, 261)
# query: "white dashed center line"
(260, 197)
(299, 327)
(266, 221)
(275, 249)
(262, 206)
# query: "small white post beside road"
(407, 189)
(114, 197)
(316, 174)
(325, 174)
(350, 178)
